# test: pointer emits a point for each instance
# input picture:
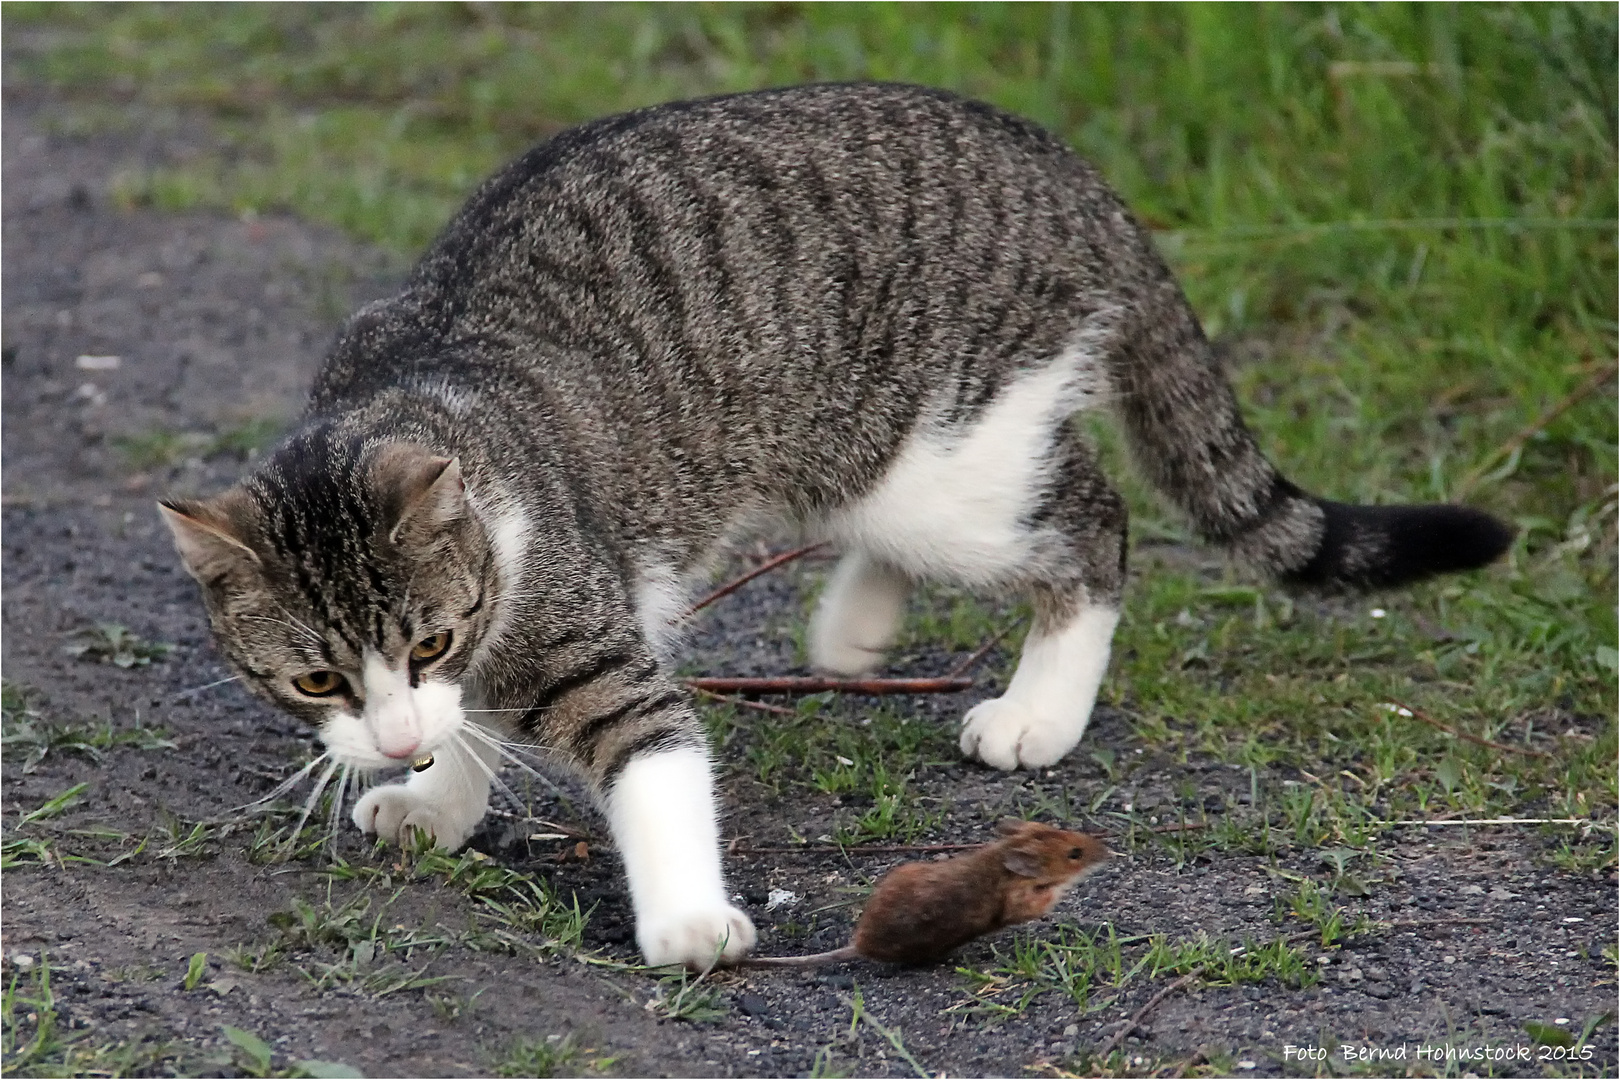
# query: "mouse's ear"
(1023, 861)
(1010, 826)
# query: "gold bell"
(421, 764)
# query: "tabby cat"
(865, 310)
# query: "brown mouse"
(920, 911)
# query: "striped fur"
(867, 309)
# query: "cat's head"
(349, 581)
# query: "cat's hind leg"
(1049, 701)
(858, 615)
(1047, 705)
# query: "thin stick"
(1529, 431)
(1119, 1036)
(1499, 821)
(1130, 1025)
(888, 1033)
(816, 684)
(1181, 1070)
(571, 832)
(745, 703)
(834, 849)
(1185, 826)
(763, 568)
(1419, 714)
(984, 650)
(1442, 922)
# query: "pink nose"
(399, 751)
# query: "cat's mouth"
(354, 740)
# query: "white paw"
(392, 810)
(858, 616)
(1010, 735)
(841, 657)
(695, 938)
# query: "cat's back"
(803, 197)
(777, 284)
(791, 149)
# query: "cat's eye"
(430, 648)
(319, 683)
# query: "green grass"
(37, 1040)
(1091, 968)
(253, 1056)
(112, 643)
(23, 726)
(163, 447)
(539, 1057)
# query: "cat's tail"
(1183, 423)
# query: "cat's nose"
(400, 746)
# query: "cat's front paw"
(1010, 735)
(696, 938)
(393, 810)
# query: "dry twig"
(1184, 826)
(1425, 923)
(984, 650)
(745, 703)
(1419, 714)
(1499, 821)
(1136, 1018)
(816, 684)
(1598, 377)
(835, 849)
(738, 582)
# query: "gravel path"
(217, 325)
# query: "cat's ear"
(419, 488)
(208, 534)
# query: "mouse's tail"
(1185, 430)
(833, 956)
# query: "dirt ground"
(218, 324)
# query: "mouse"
(920, 911)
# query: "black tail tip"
(1376, 546)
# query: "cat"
(867, 310)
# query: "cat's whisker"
(309, 807)
(205, 686)
(335, 815)
(489, 772)
(290, 623)
(500, 747)
(287, 784)
(496, 710)
(302, 625)
(508, 744)
(511, 744)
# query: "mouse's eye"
(1074, 853)
(319, 683)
